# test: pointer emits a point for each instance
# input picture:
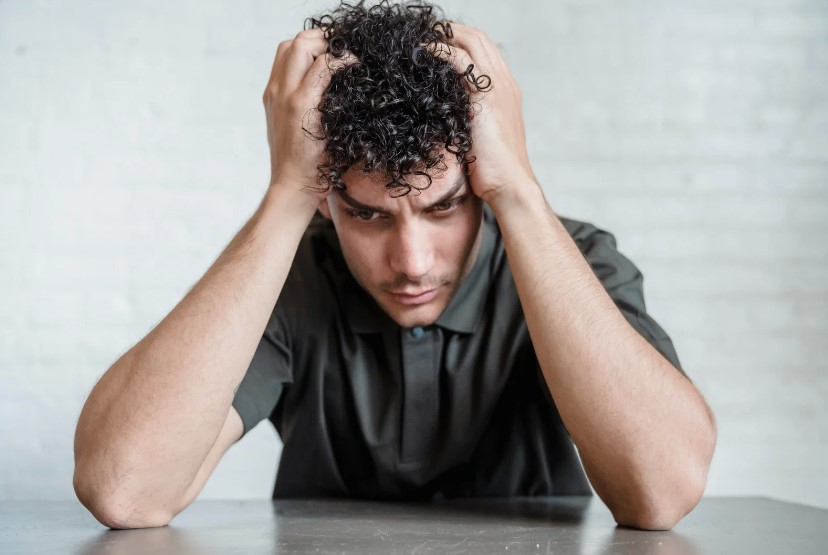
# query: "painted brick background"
(132, 148)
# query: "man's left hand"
(498, 132)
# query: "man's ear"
(324, 207)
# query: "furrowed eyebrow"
(353, 203)
(461, 181)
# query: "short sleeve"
(623, 282)
(268, 372)
(302, 309)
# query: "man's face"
(409, 253)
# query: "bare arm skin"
(644, 433)
(158, 421)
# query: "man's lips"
(414, 297)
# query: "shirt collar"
(463, 312)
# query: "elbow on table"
(117, 518)
(659, 514)
(115, 512)
(648, 520)
(661, 508)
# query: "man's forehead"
(370, 190)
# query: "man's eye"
(448, 205)
(364, 215)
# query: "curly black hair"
(399, 105)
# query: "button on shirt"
(460, 408)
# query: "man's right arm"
(150, 423)
(158, 421)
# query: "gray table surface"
(730, 525)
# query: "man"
(405, 307)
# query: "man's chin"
(407, 320)
(413, 316)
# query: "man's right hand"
(301, 73)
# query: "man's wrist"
(526, 195)
(292, 195)
(291, 202)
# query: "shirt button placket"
(420, 395)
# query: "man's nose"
(412, 251)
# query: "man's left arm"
(644, 433)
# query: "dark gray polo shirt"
(368, 409)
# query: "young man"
(405, 307)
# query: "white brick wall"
(132, 147)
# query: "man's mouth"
(412, 297)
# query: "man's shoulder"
(583, 232)
(317, 250)
(310, 288)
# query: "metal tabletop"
(560, 525)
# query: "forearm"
(150, 421)
(643, 431)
